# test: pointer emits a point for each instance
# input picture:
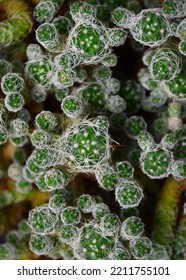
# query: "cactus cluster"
(87, 149)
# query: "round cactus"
(151, 27)
(156, 163)
(128, 194)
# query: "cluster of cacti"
(93, 164)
